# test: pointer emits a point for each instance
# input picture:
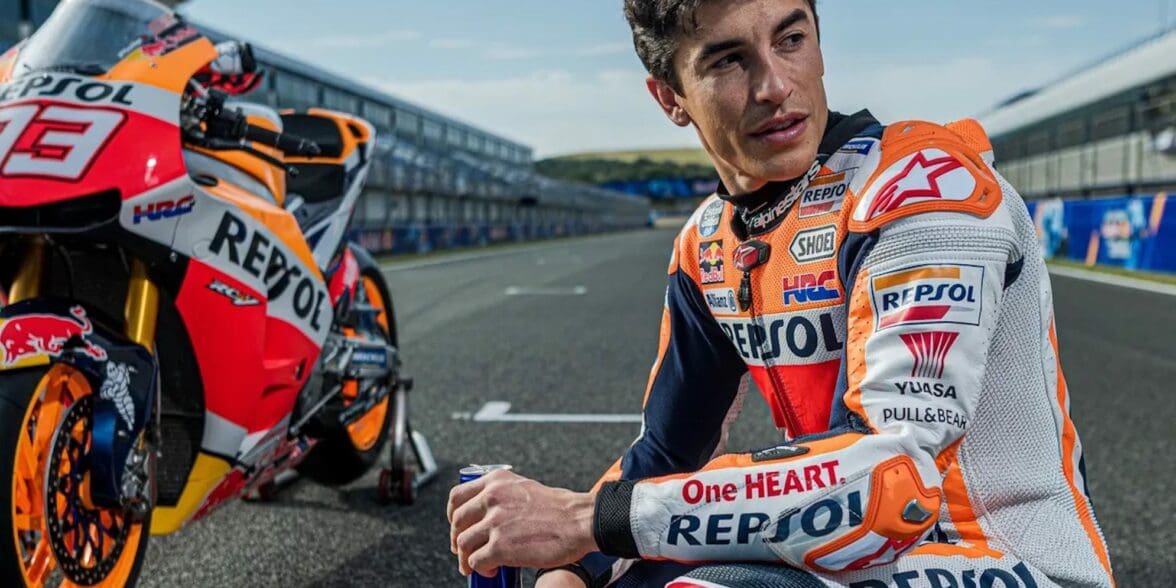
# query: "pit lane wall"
(1131, 232)
(423, 238)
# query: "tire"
(340, 456)
(18, 390)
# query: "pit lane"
(468, 343)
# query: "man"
(884, 289)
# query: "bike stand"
(411, 464)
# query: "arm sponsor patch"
(928, 295)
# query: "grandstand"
(1109, 129)
(436, 182)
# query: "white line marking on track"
(1121, 281)
(527, 291)
(498, 411)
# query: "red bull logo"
(710, 262)
(33, 335)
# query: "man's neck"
(749, 192)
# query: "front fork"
(141, 311)
(140, 314)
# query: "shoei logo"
(931, 294)
(814, 244)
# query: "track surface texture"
(466, 342)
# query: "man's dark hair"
(657, 26)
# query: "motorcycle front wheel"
(58, 537)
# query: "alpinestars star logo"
(919, 179)
(930, 351)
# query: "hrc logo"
(805, 288)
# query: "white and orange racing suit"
(893, 308)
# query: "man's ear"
(667, 99)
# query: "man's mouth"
(781, 129)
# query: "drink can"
(506, 577)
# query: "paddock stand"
(411, 465)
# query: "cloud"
(500, 52)
(365, 41)
(553, 111)
(450, 43)
(605, 49)
(1061, 21)
(937, 91)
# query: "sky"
(562, 77)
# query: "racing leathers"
(893, 309)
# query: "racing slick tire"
(344, 453)
(37, 407)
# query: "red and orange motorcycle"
(184, 317)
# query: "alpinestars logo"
(918, 180)
(930, 351)
(768, 216)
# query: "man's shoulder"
(707, 226)
(920, 167)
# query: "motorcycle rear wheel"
(344, 453)
(44, 425)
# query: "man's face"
(751, 77)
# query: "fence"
(1132, 232)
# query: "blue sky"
(561, 76)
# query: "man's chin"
(782, 166)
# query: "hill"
(619, 166)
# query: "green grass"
(680, 156)
(1159, 277)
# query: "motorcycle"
(184, 319)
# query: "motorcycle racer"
(883, 288)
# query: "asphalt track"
(467, 342)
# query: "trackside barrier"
(1132, 232)
(423, 238)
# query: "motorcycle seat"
(317, 181)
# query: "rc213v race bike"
(185, 319)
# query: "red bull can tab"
(506, 577)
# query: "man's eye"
(792, 41)
(726, 61)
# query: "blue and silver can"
(506, 577)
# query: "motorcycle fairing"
(349, 148)
(66, 136)
(123, 374)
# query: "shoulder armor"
(926, 167)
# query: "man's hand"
(504, 519)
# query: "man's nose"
(772, 84)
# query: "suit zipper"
(747, 300)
